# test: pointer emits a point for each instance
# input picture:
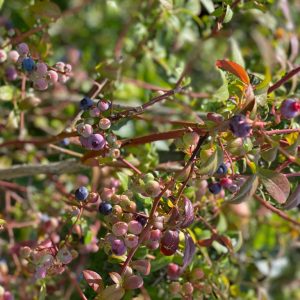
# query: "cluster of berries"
(46, 259)
(38, 72)
(97, 119)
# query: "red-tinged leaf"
(206, 242)
(169, 242)
(115, 277)
(224, 240)
(141, 265)
(234, 69)
(276, 184)
(294, 199)
(133, 282)
(93, 279)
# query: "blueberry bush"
(149, 149)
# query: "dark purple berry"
(86, 103)
(222, 169)
(105, 208)
(81, 193)
(11, 73)
(28, 64)
(290, 108)
(118, 247)
(141, 219)
(239, 126)
(215, 188)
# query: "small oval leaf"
(294, 199)
(93, 279)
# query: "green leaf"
(246, 191)
(1, 3)
(270, 154)
(124, 180)
(228, 14)
(46, 9)
(209, 5)
(236, 52)
(2, 222)
(88, 237)
(276, 184)
(7, 92)
(210, 166)
(292, 201)
(222, 93)
(160, 262)
(43, 292)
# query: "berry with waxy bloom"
(104, 123)
(84, 129)
(11, 73)
(120, 228)
(290, 108)
(152, 188)
(40, 84)
(135, 227)
(215, 188)
(118, 247)
(96, 141)
(131, 240)
(239, 126)
(41, 69)
(81, 193)
(23, 49)
(60, 66)
(155, 235)
(103, 105)
(105, 208)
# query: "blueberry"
(290, 108)
(141, 219)
(81, 193)
(28, 64)
(105, 208)
(215, 188)
(86, 103)
(222, 169)
(239, 126)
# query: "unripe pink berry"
(8, 296)
(93, 197)
(103, 105)
(131, 240)
(40, 84)
(197, 274)
(104, 123)
(63, 78)
(152, 245)
(60, 66)
(68, 68)
(3, 56)
(187, 288)
(25, 252)
(107, 194)
(84, 130)
(120, 228)
(155, 235)
(175, 288)
(117, 210)
(114, 153)
(23, 49)
(135, 227)
(173, 271)
(13, 56)
(52, 76)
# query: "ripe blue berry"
(28, 64)
(239, 126)
(81, 193)
(290, 108)
(118, 247)
(215, 188)
(222, 169)
(86, 103)
(105, 208)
